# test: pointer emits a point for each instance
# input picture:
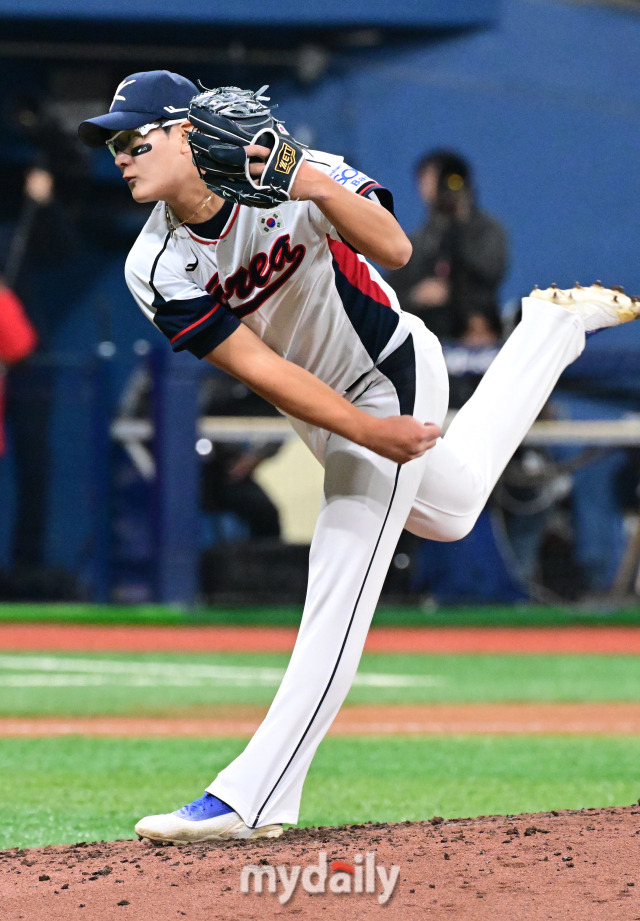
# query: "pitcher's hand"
(401, 438)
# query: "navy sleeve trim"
(373, 189)
(195, 324)
(208, 339)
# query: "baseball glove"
(225, 120)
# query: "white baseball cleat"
(206, 819)
(599, 307)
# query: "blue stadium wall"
(541, 96)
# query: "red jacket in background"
(18, 339)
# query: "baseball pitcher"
(258, 258)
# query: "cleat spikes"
(554, 295)
(599, 307)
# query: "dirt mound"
(555, 865)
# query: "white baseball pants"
(368, 500)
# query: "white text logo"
(363, 876)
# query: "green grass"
(523, 615)
(49, 684)
(93, 614)
(69, 789)
(65, 790)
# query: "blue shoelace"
(207, 806)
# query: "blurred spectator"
(18, 339)
(459, 256)
(43, 242)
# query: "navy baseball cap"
(149, 96)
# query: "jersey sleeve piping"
(378, 193)
(197, 323)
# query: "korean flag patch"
(270, 222)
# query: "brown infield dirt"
(570, 865)
(558, 865)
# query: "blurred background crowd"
(508, 132)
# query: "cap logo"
(117, 94)
(172, 109)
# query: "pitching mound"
(554, 865)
